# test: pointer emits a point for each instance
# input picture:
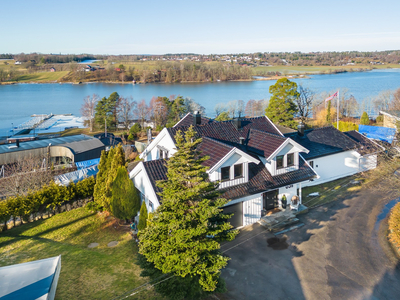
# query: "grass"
(97, 273)
(394, 228)
(331, 191)
(42, 76)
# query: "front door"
(270, 199)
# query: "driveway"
(340, 253)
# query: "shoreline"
(305, 75)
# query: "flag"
(331, 97)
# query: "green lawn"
(97, 273)
(42, 76)
(331, 191)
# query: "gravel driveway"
(340, 253)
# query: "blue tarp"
(378, 133)
(76, 176)
(87, 163)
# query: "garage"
(237, 210)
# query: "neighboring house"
(334, 154)
(390, 118)
(255, 164)
(108, 139)
(60, 150)
(378, 133)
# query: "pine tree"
(178, 239)
(125, 201)
(328, 113)
(364, 119)
(282, 108)
(143, 216)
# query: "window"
(311, 164)
(279, 162)
(151, 206)
(225, 173)
(238, 170)
(161, 156)
(290, 159)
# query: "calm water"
(18, 102)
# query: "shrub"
(135, 129)
(143, 216)
(49, 196)
(379, 119)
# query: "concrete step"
(283, 225)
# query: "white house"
(255, 163)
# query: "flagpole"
(338, 98)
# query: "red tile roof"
(263, 143)
(188, 120)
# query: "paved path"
(338, 254)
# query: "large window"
(238, 170)
(290, 159)
(279, 161)
(225, 173)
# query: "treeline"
(49, 198)
(114, 110)
(168, 72)
(53, 58)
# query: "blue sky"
(158, 27)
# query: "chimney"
(241, 140)
(196, 118)
(300, 129)
(17, 142)
(237, 122)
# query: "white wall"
(340, 165)
(230, 162)
(163, 140)
(142, 183)
(289, 191)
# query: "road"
(340, 253)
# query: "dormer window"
(225, 173)
(238, 170)
(279, 161)
(290, 159)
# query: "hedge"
(48, 197)
(394, 227)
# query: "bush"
(131, 137)
(49, 196)
(135, 129)
(379, 119)
(143, 216)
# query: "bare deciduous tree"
(250, 109)
(141, 111)
(240, 108)
(382, 101)
(192, 106)
(395, 103)
(304, 102)
(219, 108)
(125, 109)
(88, 109)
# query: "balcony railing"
(285, 170)
(232, 182)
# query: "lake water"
(18, 102)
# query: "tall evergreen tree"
(282, 107)
(177, 240)
(364, 119)
(328, 112)
(101, 180)
(143, 216)
(125, 200)
(116, 159)
(105, 111)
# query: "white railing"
(285, 170)
(229, 183)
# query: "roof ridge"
(218, 142)
(268, 133)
